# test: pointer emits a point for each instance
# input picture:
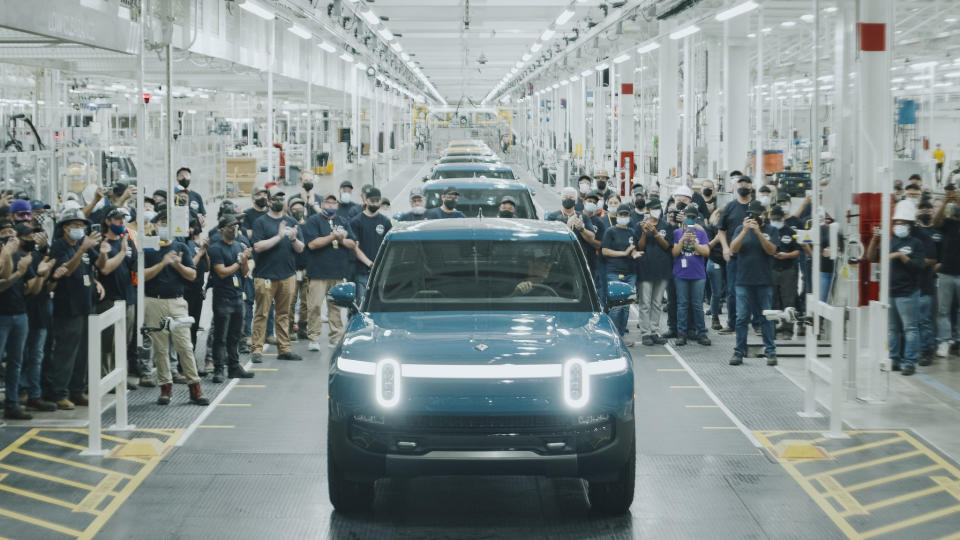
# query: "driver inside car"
(538, 270)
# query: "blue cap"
(37, 204)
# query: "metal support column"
(271, 45)
(667, 128)
(758, 94)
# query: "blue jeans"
(753, 299)
(248, 291)
(13, 335)
(948, 289)
(732, 292)
(32, 365)
(826, 279)
(925, 326)
(903, 320)
(715, 277)
(690, 293)
(621, 314)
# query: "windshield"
(481, 275)
(505, 174)
(473, 201)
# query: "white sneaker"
(314, 346)
(943, 349)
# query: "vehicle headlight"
(576, 383)
(607, 367)
(387, 383)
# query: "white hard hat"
(905, 211)
(684, 191)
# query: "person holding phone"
(691, 246)
(654, 266)
(754, 281)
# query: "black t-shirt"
(202, 266)
(196, 203)
(118, 285)
(905, 277)
(369, 232)
(754, 266)
(731, 217)
(310, 210)
(410, 216)
(251, 215)
(716, 251)
(784, 239)
(437, 213)
(589, 251)
(280, 261)
(619, 239)
(928, 278)
(328, 262)
(74, 293)
(38, 305)
(230, 287)
(657, 262)
(168, 283)
(950, 248)
(12, 300)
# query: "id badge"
(621, 276)
(86, 280)
(266, 283)
(299, 275)
(236, 282)
(683, 262)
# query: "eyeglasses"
(23, 215)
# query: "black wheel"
(347, 496)
(614, 498)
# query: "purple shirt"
(688, 265)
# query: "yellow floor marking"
(866, 464)
(250, 386)
(233, 405)
(954, 536)
(702, 406)
(48, 500)
(867, 446)
(672, 370)
(851, 506)
(47, 477)
(720, 427)
(57, 442)
(95, 497)
(16, 444)
(102, 435)
(899, 499)
(264, 369)
(893, 478)
(76, 464)
(951, 485)
(912, 521)
(216, 427)
(685, 387)
(40, 523)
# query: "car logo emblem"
(481, 347)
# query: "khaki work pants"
(317, 296)
(279, 293)
(156, 310)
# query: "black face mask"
(298, 215)
(639, 202)
(707, 192)
(30, 246)
(276, 206)
(505, 214)
(229, 234)
(373, 207)
(307, 186)
(743, 191)
(681, 206)
(568, 203)
(184, 183)
(601, 186)
(449, 204)
(260, 203)
(925, 218)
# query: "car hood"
(482, 338)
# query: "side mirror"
(618, 294)
(533, 192)
(344, 295)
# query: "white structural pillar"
(736, 101)
(758, 106)
(626, 139)
(309, 156)
(714, 95)
(599, 121)
(667, 147)
(686, 129)
(578, 117)
(271, 56)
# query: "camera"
(119, 188)
(751, 215)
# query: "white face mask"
(655, 214)
(623, 221)
(584, 188)
(902, 231)
(345, 197)
(764, 199)
(776, 224)
(418, 210)
(590, 207)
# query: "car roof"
(472, 167)
(474, 183)
(481, 229)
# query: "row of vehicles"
(480, 177)
(480, 347)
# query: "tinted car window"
(484, 275)
(473, 201)
(505, 174)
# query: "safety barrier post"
(116, 379)
(818, 370)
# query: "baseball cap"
(20, 205)
(508, 199)
(37, 204)
(346, 183)
(73, 214)
(275, 191)
(228, 220)
(450, 190)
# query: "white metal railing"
(818, 370)
(116, 379)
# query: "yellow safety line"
(102, 435)
(912, 521)
(866, 464)
(892, 478)
(899, 499)
(47, 477)
(702, 406)
(103, 489)
(932, 455)
(40, 523)
(867, 446)
(44, 498)
(71, 463)
(16, 444)
(57, 442)
(954, 536)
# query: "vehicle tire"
(347, 496)
(615, 498)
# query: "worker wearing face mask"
(369, 228)
(592, 213)
(926, 319)
(784, 272)
(619, 246)
(448, 207)
(765, 196)
(947, 220)
(602, 178)
(754, 281)
(196, 201)
(583, 187)
(347, 204)
(654, 270)
(906, 268)
(507, 208)
(418, 207)
(228, 263)
(913, 193)
(706, 199)
(639, 205)
(731, 217)
(298, 316)
(311, 199)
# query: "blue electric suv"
(481, 348)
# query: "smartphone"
(95, 228)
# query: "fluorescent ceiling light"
(766, 30)
(386, 33)
(586, 73)
(788, 24)
(685, 31)
(621, 59)
(738, 9)
(923, 65)
(566, 82)
(830, 9)
(652, 46)
(518, 65)
(901, 79)
(346, 57)
(555, 86)
(514, 70)
(526, 57)
(751, 35)
(575, 78)
(564, 17)
(298, 30)
(370, 17)
(361, 66)
(807, 18)
(258, 9)
(547, 34)
(952, 74)
(327, 47)
(405, 57)
(396, 46)
(601, 67)
(536, 47)
(950, 20)
(913, 87)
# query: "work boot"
(239, 373)
(908, 370)
(736, 360)
(647, 340)
(302, 333)
(256, 358)
(704, 340)
(926, 359)
(289, 356)
(716, 324)
(16, 413)
(196, 395)
(39, 404)
(680, 341)
(772, 360)
(244, 348)
(217, 375)
(65, 405)
(166, 392)
(659, 340)
(726, 331)
(80, 399)
(147, 381)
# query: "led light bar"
(327, 47)
(387, 383)
(370, 17)
(396, 46)
(526, 57)
(652, 46)
(256, 8)
(621, 59)
(300, 31)
(601, 67)
(586, 73)
(386, 33)
(405, 57)
(547, 35)
(685, 31)
(736, 10)
(564, 17)
(536, 47)
(346, 57)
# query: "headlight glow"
(576, 383)
(387, 383)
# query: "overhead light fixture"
(547, 35)
(736, 10)
(952, 74)
(346, 57)
(586, 73)
(923, 65)
(950, 20)
(396, 46)
(327, 47)
(386, 33)
(300, 31)
(807, 18)
(831, 9)
(564, 82)
(526, 57)
(788, 24)
(361, 66)
(751, 35)
(536, 47)
(767, 30)
(564, 17)
(652, 46)
(370, 17)
(514, 70)
(555, 86)
(256, 8)
(621, 59)
(601, 67)
(575, 78)
(685, 31)
(518, 65)
(405, 57)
